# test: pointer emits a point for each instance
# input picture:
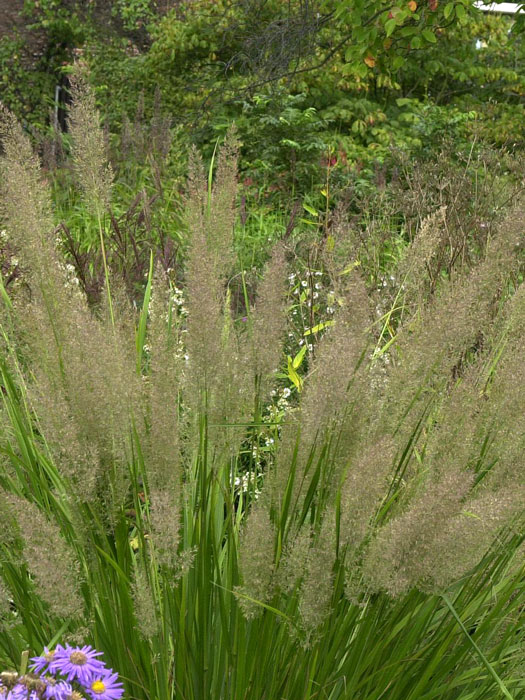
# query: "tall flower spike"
(93, 171)
(54, 570)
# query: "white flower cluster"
(276, 410)
(247, 482)
(181, 352)
(306, 288)
(71, 280)
(177, 299)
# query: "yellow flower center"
(98, 687)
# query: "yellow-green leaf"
(293, 376)
(319, 327)
(310, 209)
(298, 359)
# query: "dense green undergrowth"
(212, 67)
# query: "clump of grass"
(361, 563)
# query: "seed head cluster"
(88, 149)
(49, 560)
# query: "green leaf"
(141, 330)
(429, 35)
(276, 611)
(5, 295)
(360, 69)
(113, 564)
(350, 267)
(293, 376)
(298, 359)
(310, 209)
(471, 515)
(210, 172)
(449, 10)
(319, 327)
(390, 25)
(480, 654)
(23, 662)
(290, 142)
(398, 62)
(361, 35)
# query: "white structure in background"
(502, 8)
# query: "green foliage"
(439, 64)
(378, 33)
(28, 77)
(189, 37)
(60, 22)
(22, 87)
(283, 141)
(134, 13)
(480, 58)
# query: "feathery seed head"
(88, 149)
(54, 569)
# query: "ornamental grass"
(371, 548)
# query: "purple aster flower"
(77, 664)
(106, 687)
(45, 662)
(21, 692)
(57, 690)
